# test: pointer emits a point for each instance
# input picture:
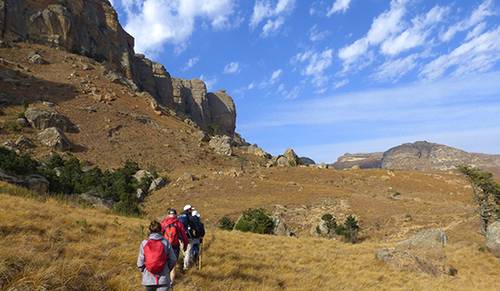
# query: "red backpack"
(171, 234)
(155, 256)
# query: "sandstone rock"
(307, 161)
(202, 136)
(493, 238)
(43, 118)
(154, 79)
(96, 201)
(140, 194)
(423, 252)
(361, 161)
(292, 157)
(239, 141)
(222, 112)
(281, 228)
(221, 145)
(36, 58)
(283, 162)
(22, 122)
(24, 143)
(37, 183)
(190, 98)
(141, 175)
(54, 138)
(255, 150)
(157, 184)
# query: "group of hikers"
(159, 253)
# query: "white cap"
(187, 207)
(196, 213)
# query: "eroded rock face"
(54, 138)
(221, 145)
(423, 252)
(493, 238)
(44, 117)
(362, 161)
(423, 156)
(153, 78)
(190, 98)
(222, 112)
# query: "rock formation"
(493, 238)
(91, 28)
(420, 155)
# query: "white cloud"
(191, 63)
(384, 26)
(395, 69)
(477, 16)
(275, 76)
(251, 86)
(317, 35)
(316, 63)
(339, 6)
(417, 34)
(153, 23)
(477, 55)
(340, 83)
(272, 26)
(272, 15)
(232, 68)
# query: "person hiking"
(199, 234)
(187, 220)
(156, 259)
(173, 231)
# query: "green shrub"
(16, 164)
(226, 223)
(12, 126)
(255, 220)
(349, 229)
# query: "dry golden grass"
(50, 245)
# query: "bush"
(349, 229)
(226, 223)
(255, 220)
(331, 223)
(15, 164)
(12, 126)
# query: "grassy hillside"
(50, 245)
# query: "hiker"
(173, 231)
(156, 260)
(200, 233)
(187, 220)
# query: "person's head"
(172, 212)
(154, 227)
(195, 213)
(188, 208)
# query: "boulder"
(37, 183)
(142, 174)
(23, 143)
(54, 138)
(93, 199)
(423, 252)
(493, 238)
(36, 58)
(257, 151)
(292, 157)
(140, 194)
(307, 161)
(42, 118)
(361, 161)
(221, 145)
(281, 228)
(157, 184)
(22, 122)
(186, 177)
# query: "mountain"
(91, 28)
(421, 156)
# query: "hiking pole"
(199, 256)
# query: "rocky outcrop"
(421, 156)
(288, 159)
(221, 145)
(54, 138)
(493, 238)
(42, 118)
(361, 161)
(424, 156)
(307, 161)
(36, 183)
(423, 252)
(91, 28)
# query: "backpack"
(171, 233)
(197, 228)
(155, 257)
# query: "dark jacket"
(187, 220)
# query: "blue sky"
(335, 76)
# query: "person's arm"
(172, 259)
(140, 258)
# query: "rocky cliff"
(91, 28)
(420, 155)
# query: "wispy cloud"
(316, 64)
(315, 34)
(232, 68)
(339, 6)
(191, 63)
(209, 82)
(273, 16)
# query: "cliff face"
(91, 28)
(420, 155)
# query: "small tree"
(351, 229)
(486, 194)
(255, 220)
(331, 222)
(226, 223)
